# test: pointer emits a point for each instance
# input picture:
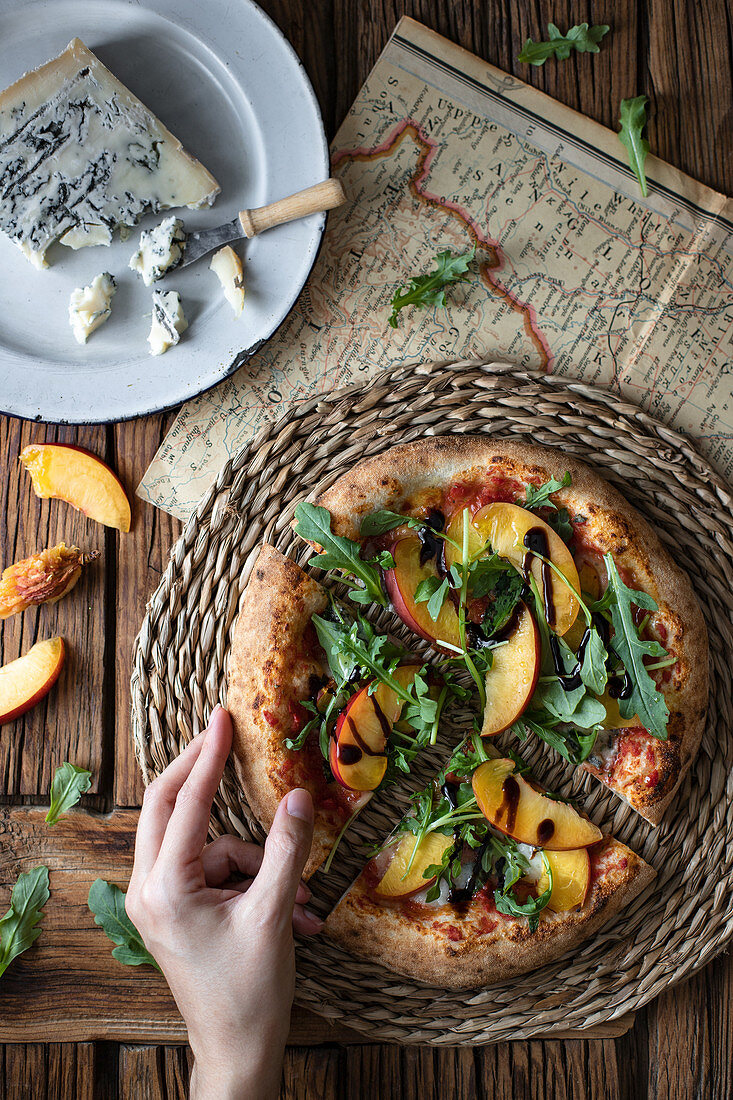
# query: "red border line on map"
(427, 150)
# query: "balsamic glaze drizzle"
(535, 542)
(432, 545)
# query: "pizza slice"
(487, 877)
(320, 700)
(529, 570)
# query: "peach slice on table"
(513, 806)
(397, 881)
(81, 479)
(24, 682)
(570, 879)
(358, 752)
(402, 582)
(513, 675)
(503, 528)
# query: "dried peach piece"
(43, 578)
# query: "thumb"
(287, 848)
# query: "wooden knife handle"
(323, 196)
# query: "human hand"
(224, 946)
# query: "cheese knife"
(249, 223)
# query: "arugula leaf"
(429, 290)
(645, 700)
(582, 38)
(538, 496)
(507, 903)
(377, 523)
(560, 522)
(313, 524)
(18, 928)
(633, 120)
(107, 903)
(435, 591)
(593, 671)
(506, 590)
(69, 784)
(573, 746)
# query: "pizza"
(551, 609)
(586, 525)
(510, 906)
(275, 666)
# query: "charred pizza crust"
(436, 946)
(274, 663)
(413, 478)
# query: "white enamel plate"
(223, 78)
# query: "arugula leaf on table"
(633, 120)
(582, 38)
(107, 903)
(429, 290)
(645, 700)
(313, 524)
(69, 784)
(19, 927)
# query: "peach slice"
(514, 807)
(402, 583)
(25, 681)
(358, 752)
(613, 719)
(513, 675)
(395, 883)
(503, 528)
(81, 479)
(570, 879)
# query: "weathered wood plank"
(32, 746)
(48, 1070)
(141, 560)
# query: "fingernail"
(313, 918)
(306, 889)
(216, 708)
(300, 804)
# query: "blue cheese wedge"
(227, 265)
(168, 321)
(90, 306)
(81, 156)
(160, 250)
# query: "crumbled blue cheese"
(160, 250)
(90, 306)
(168, 321)
(80, 156)
(227, 265)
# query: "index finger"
(158, 802)
(188, 825)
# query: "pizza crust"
(270, 668)
(421, 948)
(409, 478)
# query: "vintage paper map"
(575, 273)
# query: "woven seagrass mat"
(685, 917)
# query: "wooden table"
(75, 1022)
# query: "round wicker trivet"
(685, 918)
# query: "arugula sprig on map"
(633, 120)
(429, 290)
(581, 38)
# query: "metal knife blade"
(249, 223)
(198, 244)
